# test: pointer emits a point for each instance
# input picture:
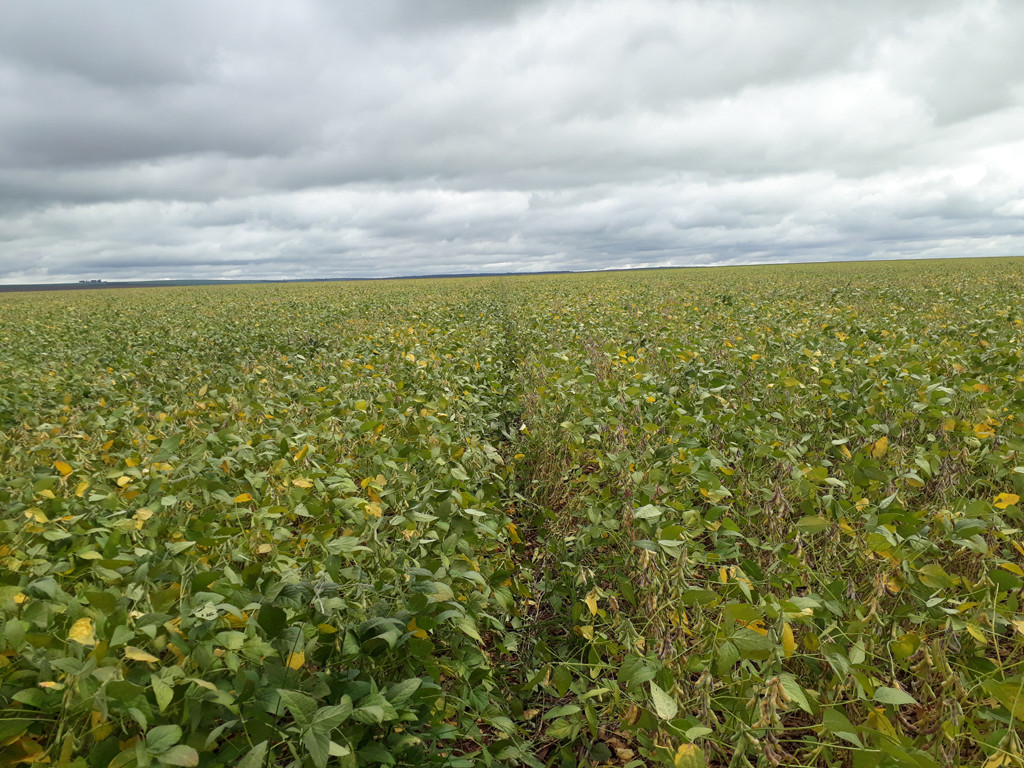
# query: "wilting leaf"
(689, 756)
(1004, 500)
(664, 704)
(83, 631)
(788, 641)
(880, 447)
(137, 654)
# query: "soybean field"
(751, 516)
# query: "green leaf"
(168, 446)
(934, 577)
(664, 704)
(795, 692)
(399, 693)
(180, 755)
(272, 620)
(12, 726)
(836, 723)
(1009, 693)
(728, 655)
(318, 744)
(255, 757)
(751, 644)
(161, 691)
(162, 738)
(329, 718)
(894, 696)
(374, 709)
(468, 626)
(302, 707)
(635, 671)
(561, 711)
(812, 524)
(648, 512)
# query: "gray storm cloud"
(316, 139)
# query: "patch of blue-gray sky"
(319, 139)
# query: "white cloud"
(317, 139)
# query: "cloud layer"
(317, 139)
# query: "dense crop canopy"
(754, 516)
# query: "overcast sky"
(144, 140)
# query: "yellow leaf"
(587, 631)
(879, 449)
(689, 756)
(203, 389)
(20, 598)
(591, 601)
(137, 654)
(63, 467)
(1018, 624)
(514, 532)
(998, 760)
(302, 483)
(296, 660)
(225, 466)
(83, 632)
(1004, 500)
(131, 462)
(416, 631)
(242, 498)
(123, 480)
(50, 685)
(788, 641)
(983, 430)
(948, 425)
(140, 517)
(372, 510)
(892, 584)
(723, 575)
(36, 515)
(976, 632)
(758, 625)
(263, 549)
(99, 727)
(81, 488)
(302, 452)
(46, 493)
(163, 466)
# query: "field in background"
(755, 516)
